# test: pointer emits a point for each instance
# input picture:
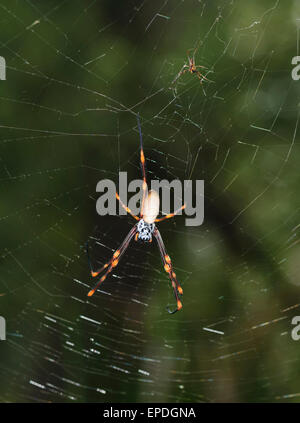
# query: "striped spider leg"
(169, 269)
(113, 262)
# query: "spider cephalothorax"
(144, 231)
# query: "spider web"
(77, 75)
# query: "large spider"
(143, 231)
(192, 68)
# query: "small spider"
(143, 231)
(192, 68)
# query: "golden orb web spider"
(142, 231)
(192, 68)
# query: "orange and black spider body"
(144, 231)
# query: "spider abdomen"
(145, 231)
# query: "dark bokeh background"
(77, 74)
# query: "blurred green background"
(77, 74)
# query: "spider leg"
(142, 159)
(117, 253)
(169, 269)
(113, 262)
(126, 208)
(201, 77)
(93, 272)
(168, 216)
(183, 70)
(191, 59)
(194, 49)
